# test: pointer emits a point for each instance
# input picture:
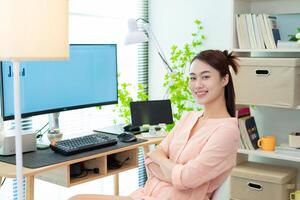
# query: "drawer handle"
(254, 186)
(262, 72)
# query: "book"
(262, 26)
(243, 111)
(238, 32)
(257, 31)
(244, 31)
(274, 27)
(251, 32)
(252, 131)
(269, 31)
(249, 132)
(243, 134)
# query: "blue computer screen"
(87, 79)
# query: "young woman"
(199, 153)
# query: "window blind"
(142, 77)
(26, 124)
(87, 26)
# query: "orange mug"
(267, 143)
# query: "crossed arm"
(161, 166)
(216, 157)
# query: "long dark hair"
(221, 60)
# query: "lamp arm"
(152, 37)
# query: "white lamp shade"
(33, 29)
(134, 35)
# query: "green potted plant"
(126, 94)
(296, 37)
(176, 82)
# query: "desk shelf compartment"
(58, 176)
(128, 160)
(62, 176)
(99, 163)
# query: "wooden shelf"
(89, 177)
(258, 0)
(124, 168)
(276, 155)
(267, 50)
(271, 53)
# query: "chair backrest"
(222, 193)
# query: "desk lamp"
(31, 30)
(136, 36)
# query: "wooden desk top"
(9, 170)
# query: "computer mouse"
(127, 137)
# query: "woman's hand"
(157, 155)
(166, 165)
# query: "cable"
(144, 20)
(38, 132)
(123, 162)
(3, 182)
(147, 28)
(94, 170)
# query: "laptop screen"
(151, 112)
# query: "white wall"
(279, 122)
(173, 22)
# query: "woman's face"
(205, 82)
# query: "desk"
(60, 173)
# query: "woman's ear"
(225, 80)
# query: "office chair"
(222, 193)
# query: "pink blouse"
(203, 161)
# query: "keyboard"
(81, 144)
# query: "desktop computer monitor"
(151, 112)
(88, 78)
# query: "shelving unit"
(273, 7)
(267, 50)
(284, 10)
(276, 155)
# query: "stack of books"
(257, 31)
(248, 130)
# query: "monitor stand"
(153, 133)
(53, 121)
(152, 130)
(43, 143)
